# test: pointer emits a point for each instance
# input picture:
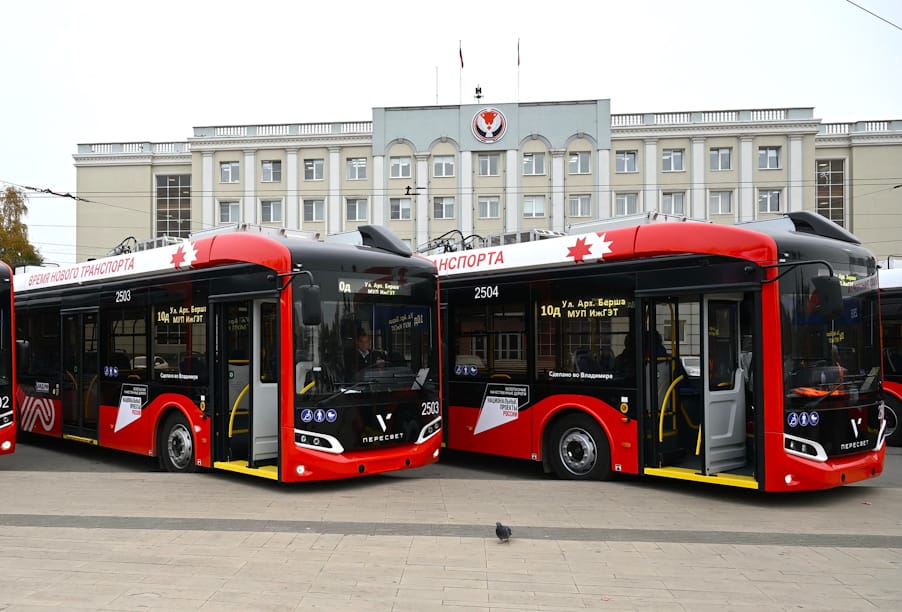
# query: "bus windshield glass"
(376, 336)
(830, 358)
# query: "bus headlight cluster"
(430, 430)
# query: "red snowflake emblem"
(178, 258)
(579, 251)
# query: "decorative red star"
(178, 258)
(579, 251)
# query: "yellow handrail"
(307, 387)
(235, 408)
(664, 406)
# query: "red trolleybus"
(7, 364)
(236, 351)
(891, 314)
(573, 351)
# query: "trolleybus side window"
(491, 340)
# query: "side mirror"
(827, 297)
(311, 305)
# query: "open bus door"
(696, 420)
(80, 383)
(246, 410)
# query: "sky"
(98, 71)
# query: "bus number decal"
(4, 402)
(124, 295)
(485, 292)
(430, 408)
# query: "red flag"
(461, 52)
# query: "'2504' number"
(485, 292)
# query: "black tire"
(892, 412)
(177, 445)
(579, 450)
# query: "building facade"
(441, 174)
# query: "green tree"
(14, 246)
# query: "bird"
(503, 532)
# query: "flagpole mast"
(518, 70)
(460, 82)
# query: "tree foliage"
(14, 246)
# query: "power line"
(872, 13)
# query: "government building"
(440, 176)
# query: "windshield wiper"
(345, 390)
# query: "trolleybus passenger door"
(724, 424)
(265, 382)
(79, 387)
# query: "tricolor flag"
(460, 52)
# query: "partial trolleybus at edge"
(9, 351)
(746, 356)
(235, 350)
(891, 317)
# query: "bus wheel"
(892, 411)
(177, 450)
(579, 449)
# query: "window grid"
(489, 207)
(721, 158)
(229, 211)
(271, 171)
(400, 167)
(229, 172)
(581, 205)
(831, 189)
(533, 164)
(443, 166)
(173, 205)
(578, 162)
(672, 160)
(313, 169)
(271, 211)
(626, 161)
(488, 164)
(721, 202)
(769, 200)
(672, 203)
(443, 207)
(534, 206)
(356, 209)
(626, 204)
(356, 168)
(400, 209)
(768, 158)
(314, 210)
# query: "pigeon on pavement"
(503, 532)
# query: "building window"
(533, 164)
(356, 209)
(831, 189)
(626, 204)
(578, 163)
(534, 206)
(229, 212)
(488, 164)
(768, 158)
(443, 165)
(313, 169)
(400, 167)
(272, 171)
(228, 172)
(489, 207)
(721, 158)
(400, 209)
(626, 161)
(672, 203)
(672, 161)
(443, 208)
(356, 168)
(769, 200)
(580, 205)
(271, 211)
(314, 210)
(720, 202)
(173, 204)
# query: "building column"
(292, 210)
(512, 198)
(208, 216)
(250, 183)
(557, 190)
(697, 205)
(795, 162)
(746, 208)
(651, 175)
(380, 187)
(602, 195)
(421, 198)
(334, 219)
(465, 189)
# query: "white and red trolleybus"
(7, 363)
(891, 316)
(576, 351)
(236, 351)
